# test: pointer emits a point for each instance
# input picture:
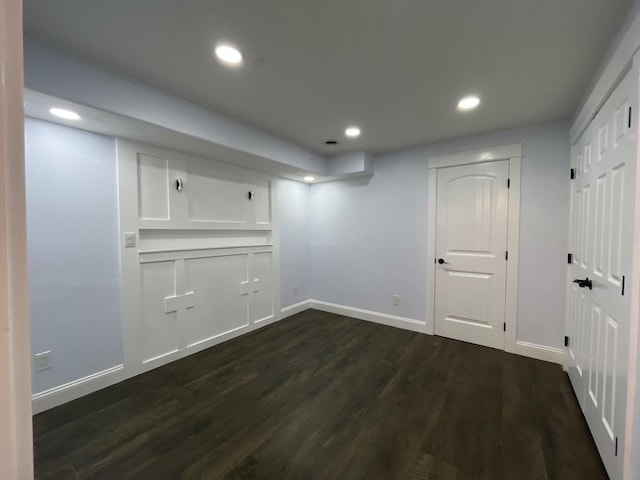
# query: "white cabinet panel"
(215, 196)
(221, 305)
(159, 328)
(153, 188)
(262, 201)
(262, 298)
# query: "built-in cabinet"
(198, 253)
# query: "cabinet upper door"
(195, 194)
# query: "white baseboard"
(540, 352)
(78, 388)
(295, 308)
(368, 315)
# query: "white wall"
(74, 264)
(368, 237)
(293, 211)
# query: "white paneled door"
(603, 189)
(471, 246)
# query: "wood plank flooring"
(321, 396)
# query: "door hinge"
(616, 447)
(566, 341)
(629, 124)
(508, 183)
(504, 326)
(572, 173)
(570, 258)
(506, 255)
(622, 284)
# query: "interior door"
(603, 193)
(471, 243)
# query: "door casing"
(512, 153)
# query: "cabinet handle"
(250, 195)
(179, 184)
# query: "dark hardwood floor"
(320, 396)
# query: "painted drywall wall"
(74, 264)
(368, 237)
(293, 211)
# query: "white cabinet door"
(159, 328)
(214, 196)
(262, 288)
(221, 305)
(189, 193)
(603, 196)
(153, 188)
(471, 244)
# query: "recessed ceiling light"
(352, 132)
(228, 54)
(309, 178)
(66, 114)
(468, 103)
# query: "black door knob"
(441, 261)
(584, 283)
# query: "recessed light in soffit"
(64, 114)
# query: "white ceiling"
(396, 68)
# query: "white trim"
(295, 308)
(16, 442)
(376, 317)
(476, 156)
(541, 352)
(275, 254)
(615, 70)
(513, 247)
(431, 250)
(513, 153)
(77, 388)
(525, 349)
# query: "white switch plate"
(129, 239)
(396, 299)
(42, 361)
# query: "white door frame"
(16, 444)
(512, 153)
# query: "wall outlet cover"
(42, 361)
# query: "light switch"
(129, 239)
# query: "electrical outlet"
(129, 239)
(42, 361)
(295, 291)
(396, 299)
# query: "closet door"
(603, 194)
